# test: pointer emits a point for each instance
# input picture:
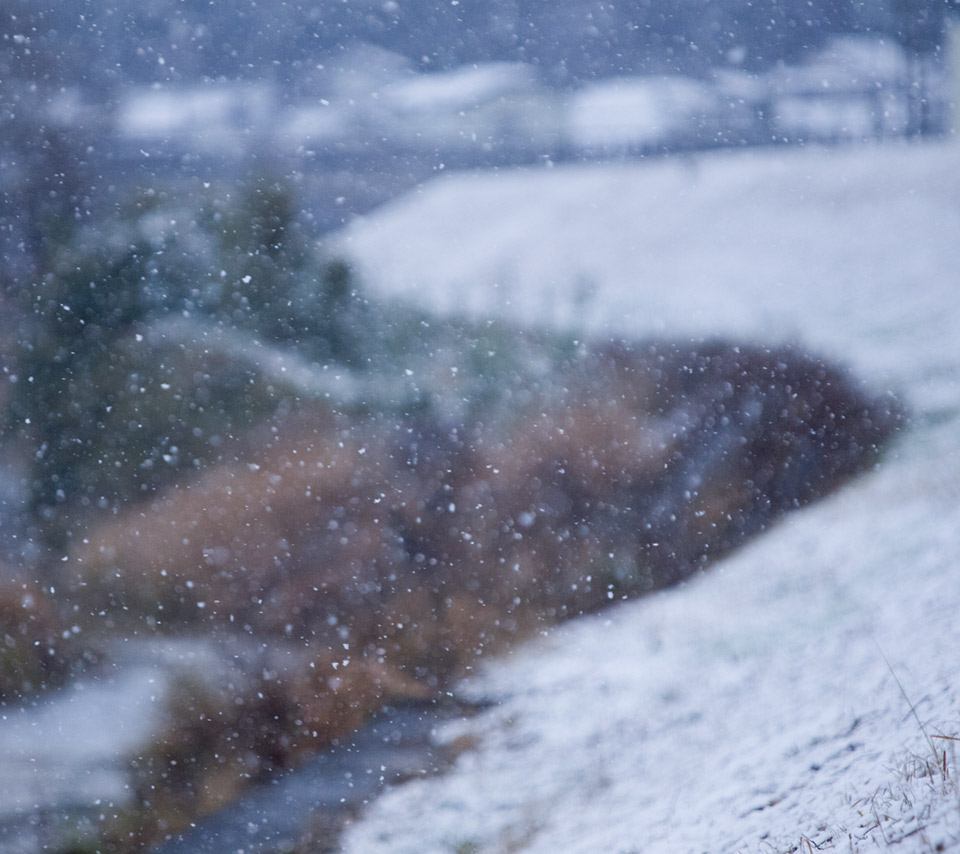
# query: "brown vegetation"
(37, 648)
(380, 557)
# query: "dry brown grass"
(38, 650)
(380, 557)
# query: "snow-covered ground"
(790, 697)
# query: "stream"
(310, 805)
(63, 765)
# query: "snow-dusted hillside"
(853, 251)
(765, 706)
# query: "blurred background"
(181, 159)
(214, 213)
(358, 100)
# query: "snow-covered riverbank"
(760, 705)
(765, 703)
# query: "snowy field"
(791, 697)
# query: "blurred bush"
(374, 557)
(132, 361)
(37, 649)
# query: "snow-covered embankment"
(767, 702)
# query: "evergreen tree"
(68, 373)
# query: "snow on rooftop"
(625, 111)
(158, 112)
(314, 123)
(462, 88)
(821, 118)
(785, 699)
(845, 63)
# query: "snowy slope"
(850, 250)
(758, 706)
